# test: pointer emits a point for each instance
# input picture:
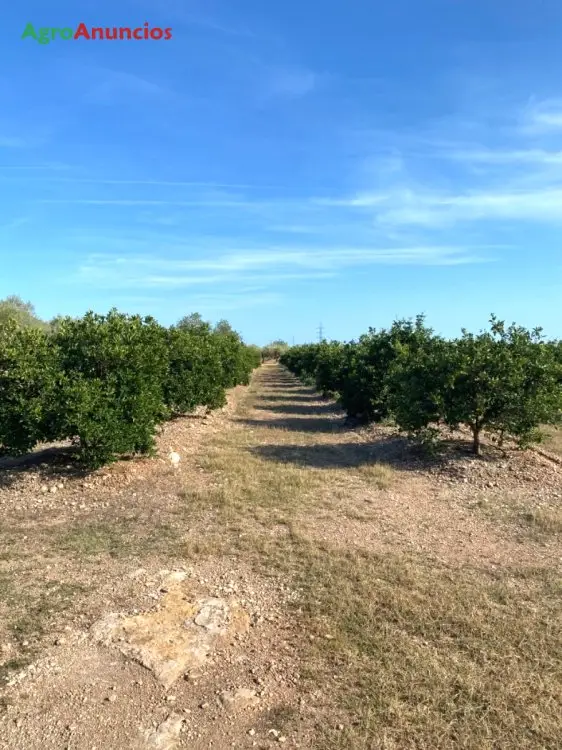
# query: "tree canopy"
(23, 313)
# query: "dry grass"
(420, 655)
(380, 475)
(408, 653)
(29, 609)
(553, 439)
(538, 523)
(429, 659)
(544, 521)
(120, 538)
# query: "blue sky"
(282, 165)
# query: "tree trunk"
(476, 447)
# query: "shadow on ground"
(290, 388)
(394, 451)
(51, 462)
(293, 397)
(276, 380)
(320, 408)
(298, 424)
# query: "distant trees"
(193, 322)
(274, 350)
(505, 381)
(23, 313)
(224, 327)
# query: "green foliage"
(321, 364)
(106, 382)
(195, 373)
(29, 378)
(507, 381)
(195, 323)
(417, 382)
(330, 359)
(236, 361)
(114, 369)
(370, 364)
(22, 313)
(253, 354)
(223, 326)
(302, 360)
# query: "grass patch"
(119, 539)
(93, 539)
(427, 658)
(53, 598)
(538, 523)
(31, 609)
(552, 439)
(545, 522)
(419, 655)
(379, 475)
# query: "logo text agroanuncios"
(45, 34)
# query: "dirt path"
(292, 582)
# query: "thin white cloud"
(439, 208)
(531, 156)
(15, 223)
(55, 166)
(216, 202)
(24, 133)
(359, 200)
(421, 183)
(542, 116)
(497, 165)
(22, 142)
(106, 86)
(295, 229)
(154, 183)
(271, 266)
(180, 281)
(13, 142)
(291, 83)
